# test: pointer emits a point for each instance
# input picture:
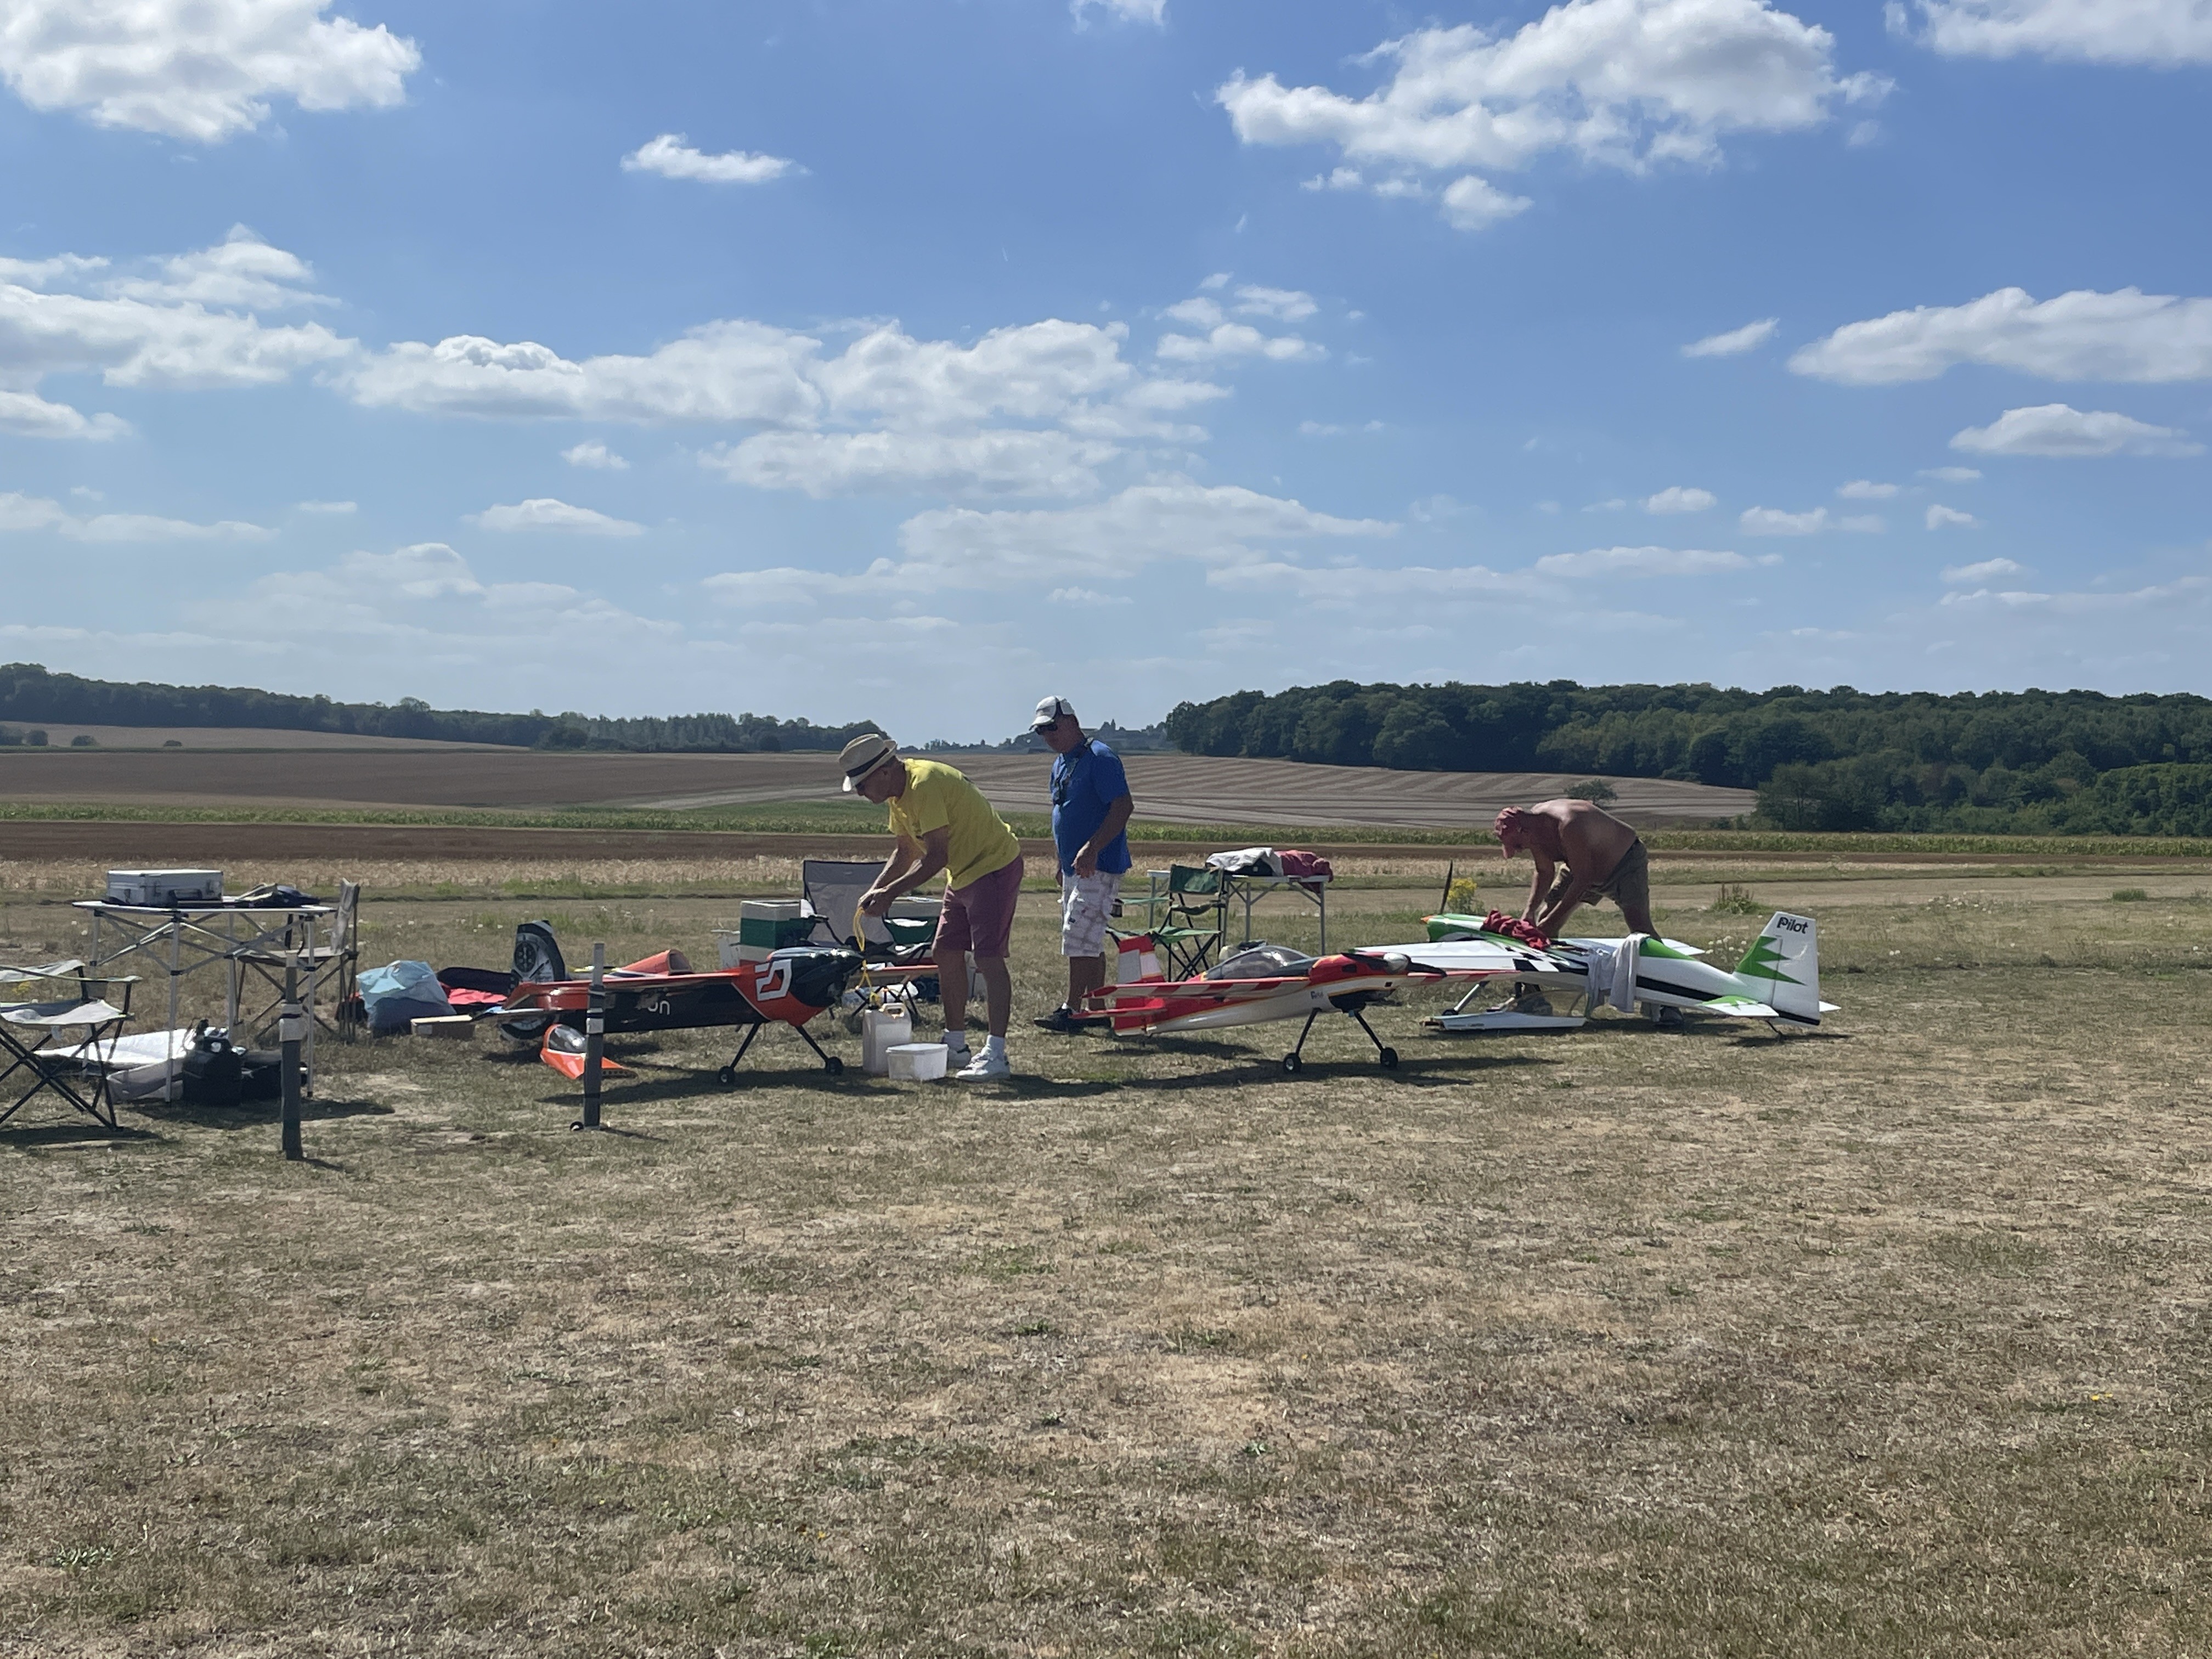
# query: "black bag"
(213, 1070)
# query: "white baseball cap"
(1049, 710)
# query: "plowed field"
(1180, 788)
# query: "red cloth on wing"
(1305, 866)
(462, 1000)
(1513, 927)
(666, 962)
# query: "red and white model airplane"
(1265, 982)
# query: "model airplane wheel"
(1291, 1062)
(1388, 1059)
(728, 1075)
(836, 1066)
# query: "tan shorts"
(1628, 883)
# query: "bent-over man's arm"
(921, 863)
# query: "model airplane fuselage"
(1779, 978)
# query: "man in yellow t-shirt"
(944, 823)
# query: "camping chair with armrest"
(830, 891)
(1178, 918)
(67, 1001)
(341, 953)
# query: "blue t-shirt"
(1085, 782)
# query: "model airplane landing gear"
(830, 1063)
(1386, 1057)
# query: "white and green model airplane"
(1779, 980)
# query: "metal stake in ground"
(595, 1039)
(291, 1033)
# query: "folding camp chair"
(830, 892)
(26, 1029)
(342, 953)
(1177, 916)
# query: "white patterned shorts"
(1085, 902)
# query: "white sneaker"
(957, 1055)
(985, 1067)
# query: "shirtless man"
(1583, 853)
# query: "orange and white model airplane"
(1265, 982)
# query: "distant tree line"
(28, 692)
(2064, 762)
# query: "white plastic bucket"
(882, 1031)
(916, 1062)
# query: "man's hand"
(1086, 861)
(877, 902)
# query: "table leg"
(1321, 898)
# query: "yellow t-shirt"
(938, 796)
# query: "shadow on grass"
(80, 1133)
(259, 1114)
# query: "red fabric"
(1304, 865)
(1513, 927)
(462, 998)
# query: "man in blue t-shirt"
(1090, 808)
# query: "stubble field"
(1891, 1339)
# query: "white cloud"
(1154, 12)
(31, 512)
(1773, 521)
(543, 513)
(1471, 202)
(1218, 280)
(1866, 489)
(201, 70)
(1870, 524)
(1198, 312)
(1951, 474)
(1735, 342)
(325, 507)
(2056, 430)
(1085, 596)
(1647, 561)
(240, 273)
(1325, 430)
(1114, 539)
(1623, 84)
(591, 453)
(1618, 504)
(1987, 570)
(1940, 516)
(2149, 32)
(152, 330)
(2164, 596)
(720, 371)
(1238, 340)
(26, 415)
(987, 462)
(1677, 499)
(671, 158)
(1284, 304)
(2127, 335)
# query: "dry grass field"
(1891, 1339)
(60, 733)
(1178, 788)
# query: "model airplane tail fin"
(1138, 960)
(1783, 967)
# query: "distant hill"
(31, 697)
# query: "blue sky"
(914, 359)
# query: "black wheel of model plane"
(1388, 1059)
(835, 1067)
(729, 1076)
(1291, 1062)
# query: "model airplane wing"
(1483, 956)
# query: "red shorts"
(980, 917)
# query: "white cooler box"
(162, 889)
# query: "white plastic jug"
(882, 1031)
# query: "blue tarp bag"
(391, 996)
